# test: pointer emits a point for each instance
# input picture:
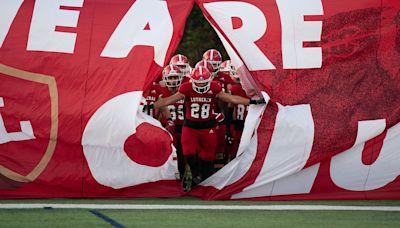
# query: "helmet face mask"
(201, 87)
(173, 80)
(172, 76)
(201, 80)
(215, 64)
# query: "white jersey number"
(176, 112)
(240, 111)
(200, 110)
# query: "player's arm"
(165, 112)
(232, 98)
(238, 99)
(169, 125)
(230, 105)
(162, 102)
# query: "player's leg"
(190, 145)
(220, 159)
(207, 149)
(179, 153)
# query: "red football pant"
(178, 145)
(202, 142)
(220, 132)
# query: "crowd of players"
(204, 109)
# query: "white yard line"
(200, 207)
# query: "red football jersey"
(200, 107)
(224, 80)
(185, 79)
(153, 94)
(241, 110)
(176, 109)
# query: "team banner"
(331, 128)
(73, 74)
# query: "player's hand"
(220, 117)
(257, 101)
(170, 126)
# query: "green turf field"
(196, 201)
(196, 218)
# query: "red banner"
(331, 73)
(72, 76)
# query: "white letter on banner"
(253, 28)
(295, 31)
(46, 16)
(347, 169)
(8, 11)
(131, 30)
(26, 132)
(103, 144)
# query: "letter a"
(147, 23)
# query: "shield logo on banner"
(28, 125)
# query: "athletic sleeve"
(216, 87)
(185, 88)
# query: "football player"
(198, 133)
(223, 130)
(152, 95)
(207, 65)
(239, 111)
(172, 77)
(214, 57)
(162, 114)
(182, 62)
